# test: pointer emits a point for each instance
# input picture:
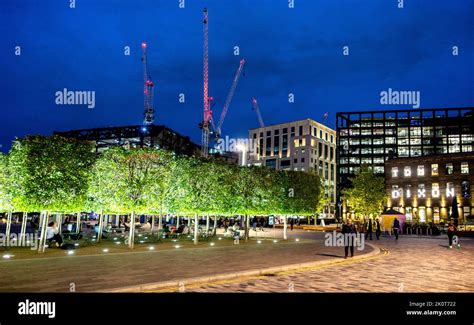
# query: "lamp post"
(242, 148)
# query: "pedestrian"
(292, 222)
(349, 231)
(52, 234)
(452, 231)
(262, 223)
(396, 227)
(368, 234)
(226, 224)
(254, 224)
(378, 231)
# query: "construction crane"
(257, 110)
(147, 90)
(204, 125)
(325, 117)
(218, 127)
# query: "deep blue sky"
(287, 50)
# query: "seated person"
(146, 226)
(166, 231)
(180, 229)
(52, 233)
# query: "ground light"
(105, 250)
(70, 252)
(117, 243)
(259, 241)
(76, 244)
(7, 256)
(151, 248)
(275, 241)
(220, 238)
(297, 239)
(177, 246)
(212, 244)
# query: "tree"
(127, 181)
(367, 194)
(5, 191)
(49, 174)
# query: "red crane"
(147, 90)
(204, 125)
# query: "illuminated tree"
(367, 194)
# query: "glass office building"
(371, 137)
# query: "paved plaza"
(413, 264)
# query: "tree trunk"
(196, 227)
(152, 223)
(247, 227)
(78, 222)
(8, 229)
(117, 220)
(131, 235)
(101, 222)
(285, 227)
(160, 222)
(177, 221)
(208, 223)
(59, 222)
(215, 226)
(42, 245)
(23, 229)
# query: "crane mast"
(204, 125)
(257, 110)
(149, 114)
(229, 97)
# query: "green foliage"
(367, 194)
(64, 175)
(5, 186)
(50, 173)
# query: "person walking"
(350, 232)
(378, 231)
(292, 222)
(368, 234)
(452, 230)
(396, 227)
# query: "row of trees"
(59, 175)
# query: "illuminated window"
(422, 214)
(421, 170)
(434, 170)
(464, 168)
(407, 171)
(395, 192)
(450, 190)
(449, 169)
(466, 189)
(421, 191)
(435, 190)
(394, 171)
(408, 191)
(436, 215)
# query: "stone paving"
(108, 271)
(413, 264)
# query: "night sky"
(297, 50)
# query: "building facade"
(424, 188)
(303, 145)
(136, 136)
(372, 137)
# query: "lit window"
(449, 169)
(395, 192)
(466, 189)
(464, 168)
(450, 190)
(421, 190)
(394, 171)
(421, 170)
(435, 190)
(434, 169)
(407, 171)
(408, 191)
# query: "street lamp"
(243, 149)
